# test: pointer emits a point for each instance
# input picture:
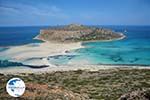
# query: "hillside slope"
(77, 33)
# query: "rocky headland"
(78, 33)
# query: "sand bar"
(43, 50)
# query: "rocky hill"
(77, 33)
(108, 84)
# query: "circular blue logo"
(15, 87)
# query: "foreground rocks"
(136, 95)
(48, 92)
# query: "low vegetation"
(77, 33)
(108, 84)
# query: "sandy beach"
(39, 50)
(45, 49)
(19, 70)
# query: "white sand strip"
(18, 70)
(22, 53)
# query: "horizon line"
(67, 24)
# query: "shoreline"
(117, 39)
(50, 69)
(39, 50)
(45, 49)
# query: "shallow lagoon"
(133, 50)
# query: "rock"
(136, 95)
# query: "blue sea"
(132, 50)
(13, 36)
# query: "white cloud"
(7, 10)
(45, 11)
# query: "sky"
(60, 12)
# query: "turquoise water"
(133, 50)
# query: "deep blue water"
(11, 36)
(133, 50)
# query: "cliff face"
(77, 33)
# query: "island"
(78, 33)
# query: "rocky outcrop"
(77, 33)
(136, 95)
(48, 92)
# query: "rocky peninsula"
(78, 33)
